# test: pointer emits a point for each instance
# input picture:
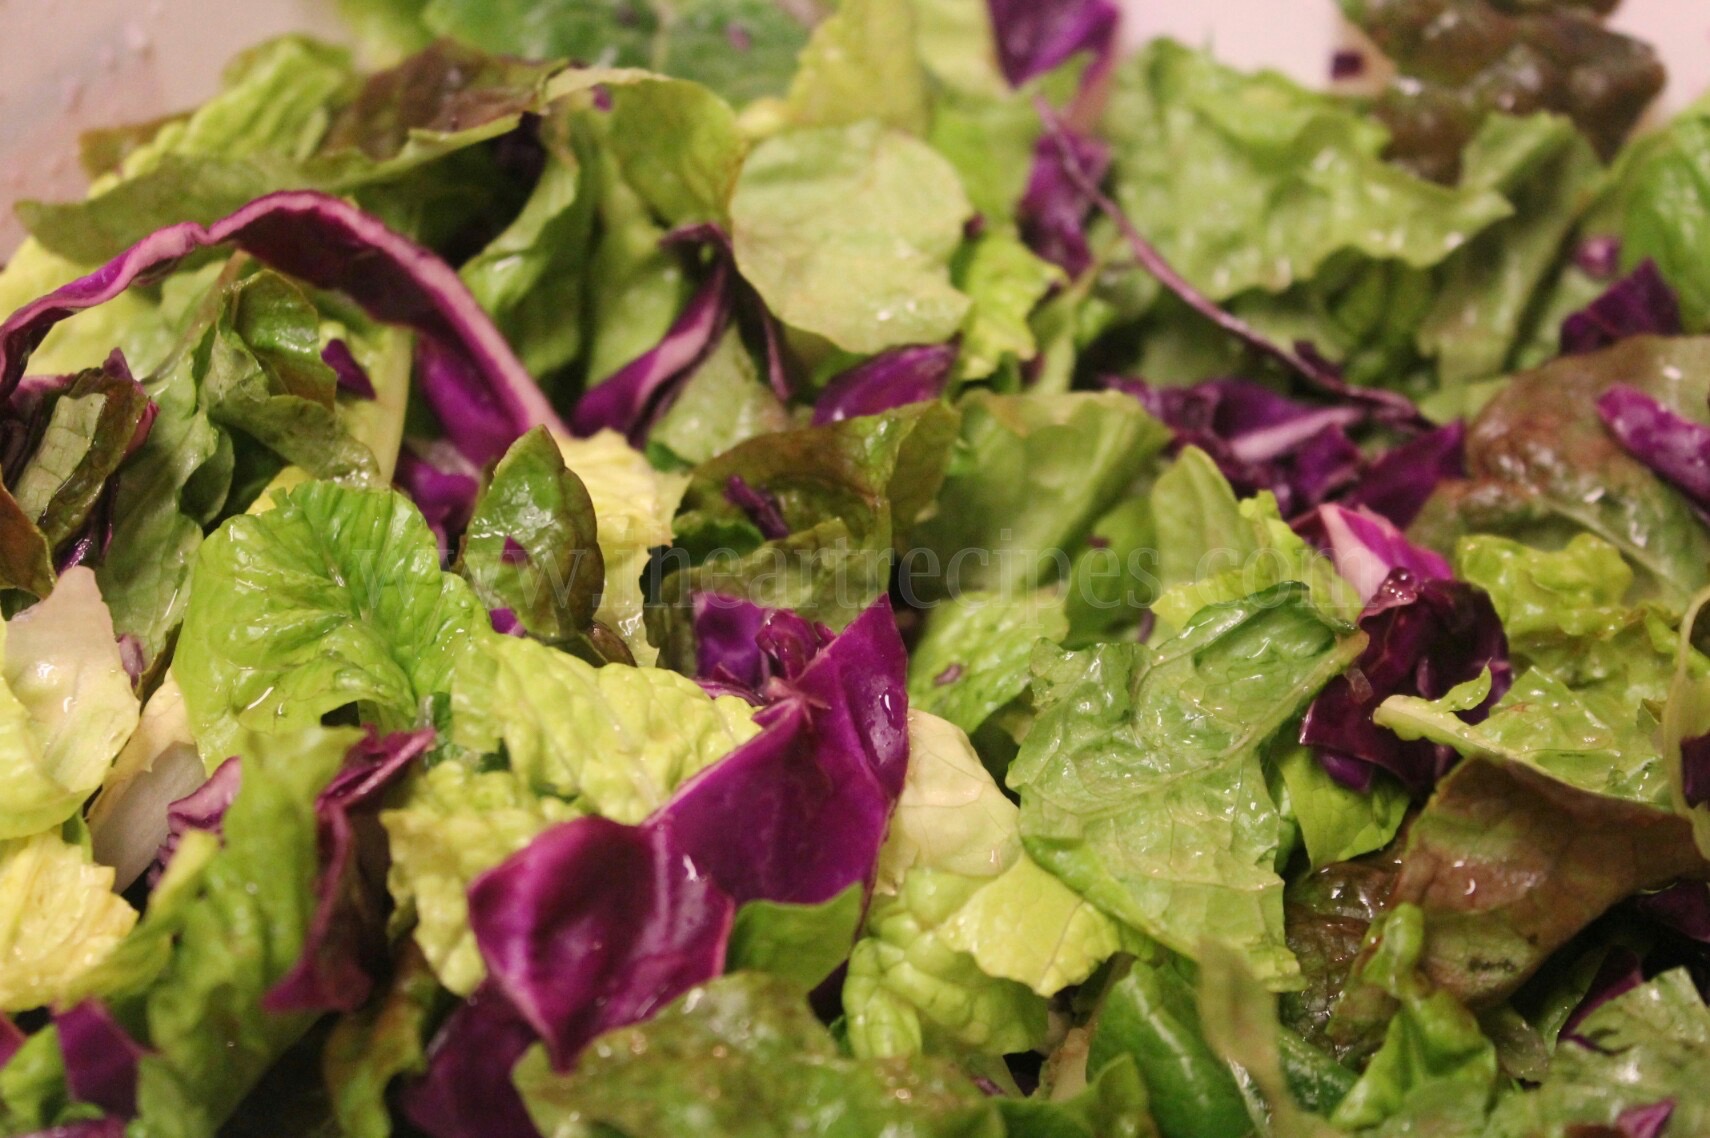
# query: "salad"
(654, 570)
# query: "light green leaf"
(847, 232)
(976, 652)
(950, 816)
(244, 919)
(449, 826)
(909, 991)
(1028, 480)
(332, 597)
(60, 918)
(743, 1057)
(1141, 783)
(66, 707)
(1298, 177)
(633, 507)
(724, 403)
(676, 143)
(802, 943)
(1337, 824)
(617, 739)
(862, 64)
(1006, 282)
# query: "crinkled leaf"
(61, 917)
(744, 1056)
(1030, 476)
(847, 232)
(1128, 776)
(332, 597)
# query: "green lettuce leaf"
(847, 232)
(1030, 476)
(533, 502)
(633, 507)
(618, 740)
(1149, 1015)
(1141, 783)
(1649, 1045)
(60, 915)
(333, 597)
(1549, 172)
(1659, 206)
(1336, 823)
(1299, 177)
(535, 271)
(697, 46)
(370, 1048)
(1213, 549)
(1115, 1104)
(243, 929)
(676, 143)
(1433, 1048)
(976, 652)
(1005, 282)
(951, 815)
(1686, 714)
(862, 64)
(723, 404)
(909, 991)
(743, 1056)
(66, 706)
(264, 377)
(618, 32)
(450, 825)
(802, 943)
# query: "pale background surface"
(69, 64)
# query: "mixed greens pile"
(625, 568)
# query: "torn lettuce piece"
(333, 597)
(1137, 754)
(61, 916)
(863, 64)
(633, 507)
(450, 825)
(696, 1068)
(617, 740)
(847, 232)
(66, 707)
(976, 652)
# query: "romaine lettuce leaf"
(60, 915)
(66, 706)
(802, 943)
(743, 1056)
(1029, 477)
(333, 597)
(976, 652)
(244, 920)
(1141, 783)
(617, 740)
(1299, 177)
(847, 232)
(450, 825)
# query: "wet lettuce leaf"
(532, 546)
(975, 654)
(1299, 174)
(1542, 467)
(1029, 477)
(333, 597)
(847, 232)
(1137, 754)
(743, 1055)
(63, 919)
